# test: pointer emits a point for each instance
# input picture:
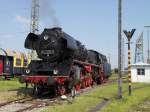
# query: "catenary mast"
(34, 24)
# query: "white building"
(140, 72)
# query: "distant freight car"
(65, 64)
(12, 63)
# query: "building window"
(140, 71)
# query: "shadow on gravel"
(23, 91)
(30, 92)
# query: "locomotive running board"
(85, 63)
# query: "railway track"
(35, 103)
(21, 100)
(26, 104)
(38, 104)
(41, 103)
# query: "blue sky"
(93, 22)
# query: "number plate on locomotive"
(47, 52)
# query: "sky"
(93, 22)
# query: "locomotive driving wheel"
(38, 90)
(61, 90)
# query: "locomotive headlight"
(46, 37)
(55, 71)
(28, 71)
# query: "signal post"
(129, 35)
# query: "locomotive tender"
(63, 63)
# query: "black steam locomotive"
(63, 59)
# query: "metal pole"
(119, 49)
(129, 66)
(148, 52)
(148, 43)
(122, 56)
(34, 24)
(108, 58)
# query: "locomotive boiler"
(56, 49)
(62, 60)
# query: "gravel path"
(29, 105)
(13, 107)
(143, 107)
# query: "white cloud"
(23, 20)
(7, 36)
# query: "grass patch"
(11, 89)
(86, 101)
(142, 107)
(129, 102)
(8, 96)
(113, 76)
(6, 85)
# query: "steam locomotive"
(64, 63)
